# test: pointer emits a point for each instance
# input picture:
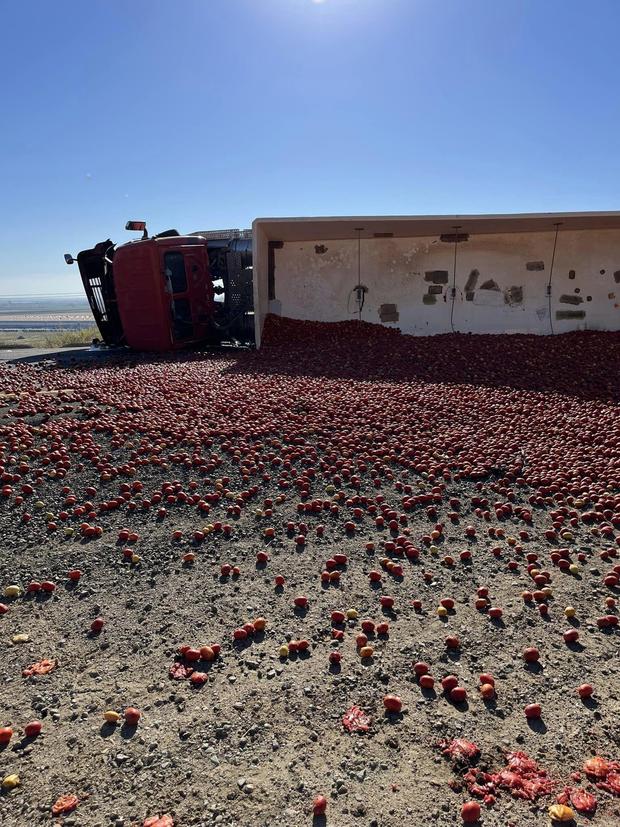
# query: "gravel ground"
(263, 736)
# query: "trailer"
(541, 273)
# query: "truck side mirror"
(137, 227)
(69, 258)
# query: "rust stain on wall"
(514, 295)
(472, 280)
(388, 313)
(436, 276)
(535, 265)
(570, 314)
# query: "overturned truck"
(540, 273)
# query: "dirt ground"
(263, 736)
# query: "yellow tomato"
(560, 812)
(21, 638)
(12, 591)
(10, 782)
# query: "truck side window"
(175, 271)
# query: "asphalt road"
(32, 354)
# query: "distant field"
(36, 332)
(45, 321)
(45, 305)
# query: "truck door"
(186, 274)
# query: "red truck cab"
(164, 292)
(171, 291)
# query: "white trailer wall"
(501, 279)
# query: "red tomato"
(132, 716)
(458, 694)
(319, 806)
(32, 729)
(533, 711)
(392, 703)
(449, 682)
(470, 812)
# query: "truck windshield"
(175, 271)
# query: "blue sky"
(201, 114)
